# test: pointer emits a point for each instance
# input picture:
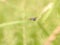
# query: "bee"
(33, 18)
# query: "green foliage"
(16, 28)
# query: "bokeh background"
(16, 28)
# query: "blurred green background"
(25, 31)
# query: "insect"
(33, 18)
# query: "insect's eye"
(33, 19)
